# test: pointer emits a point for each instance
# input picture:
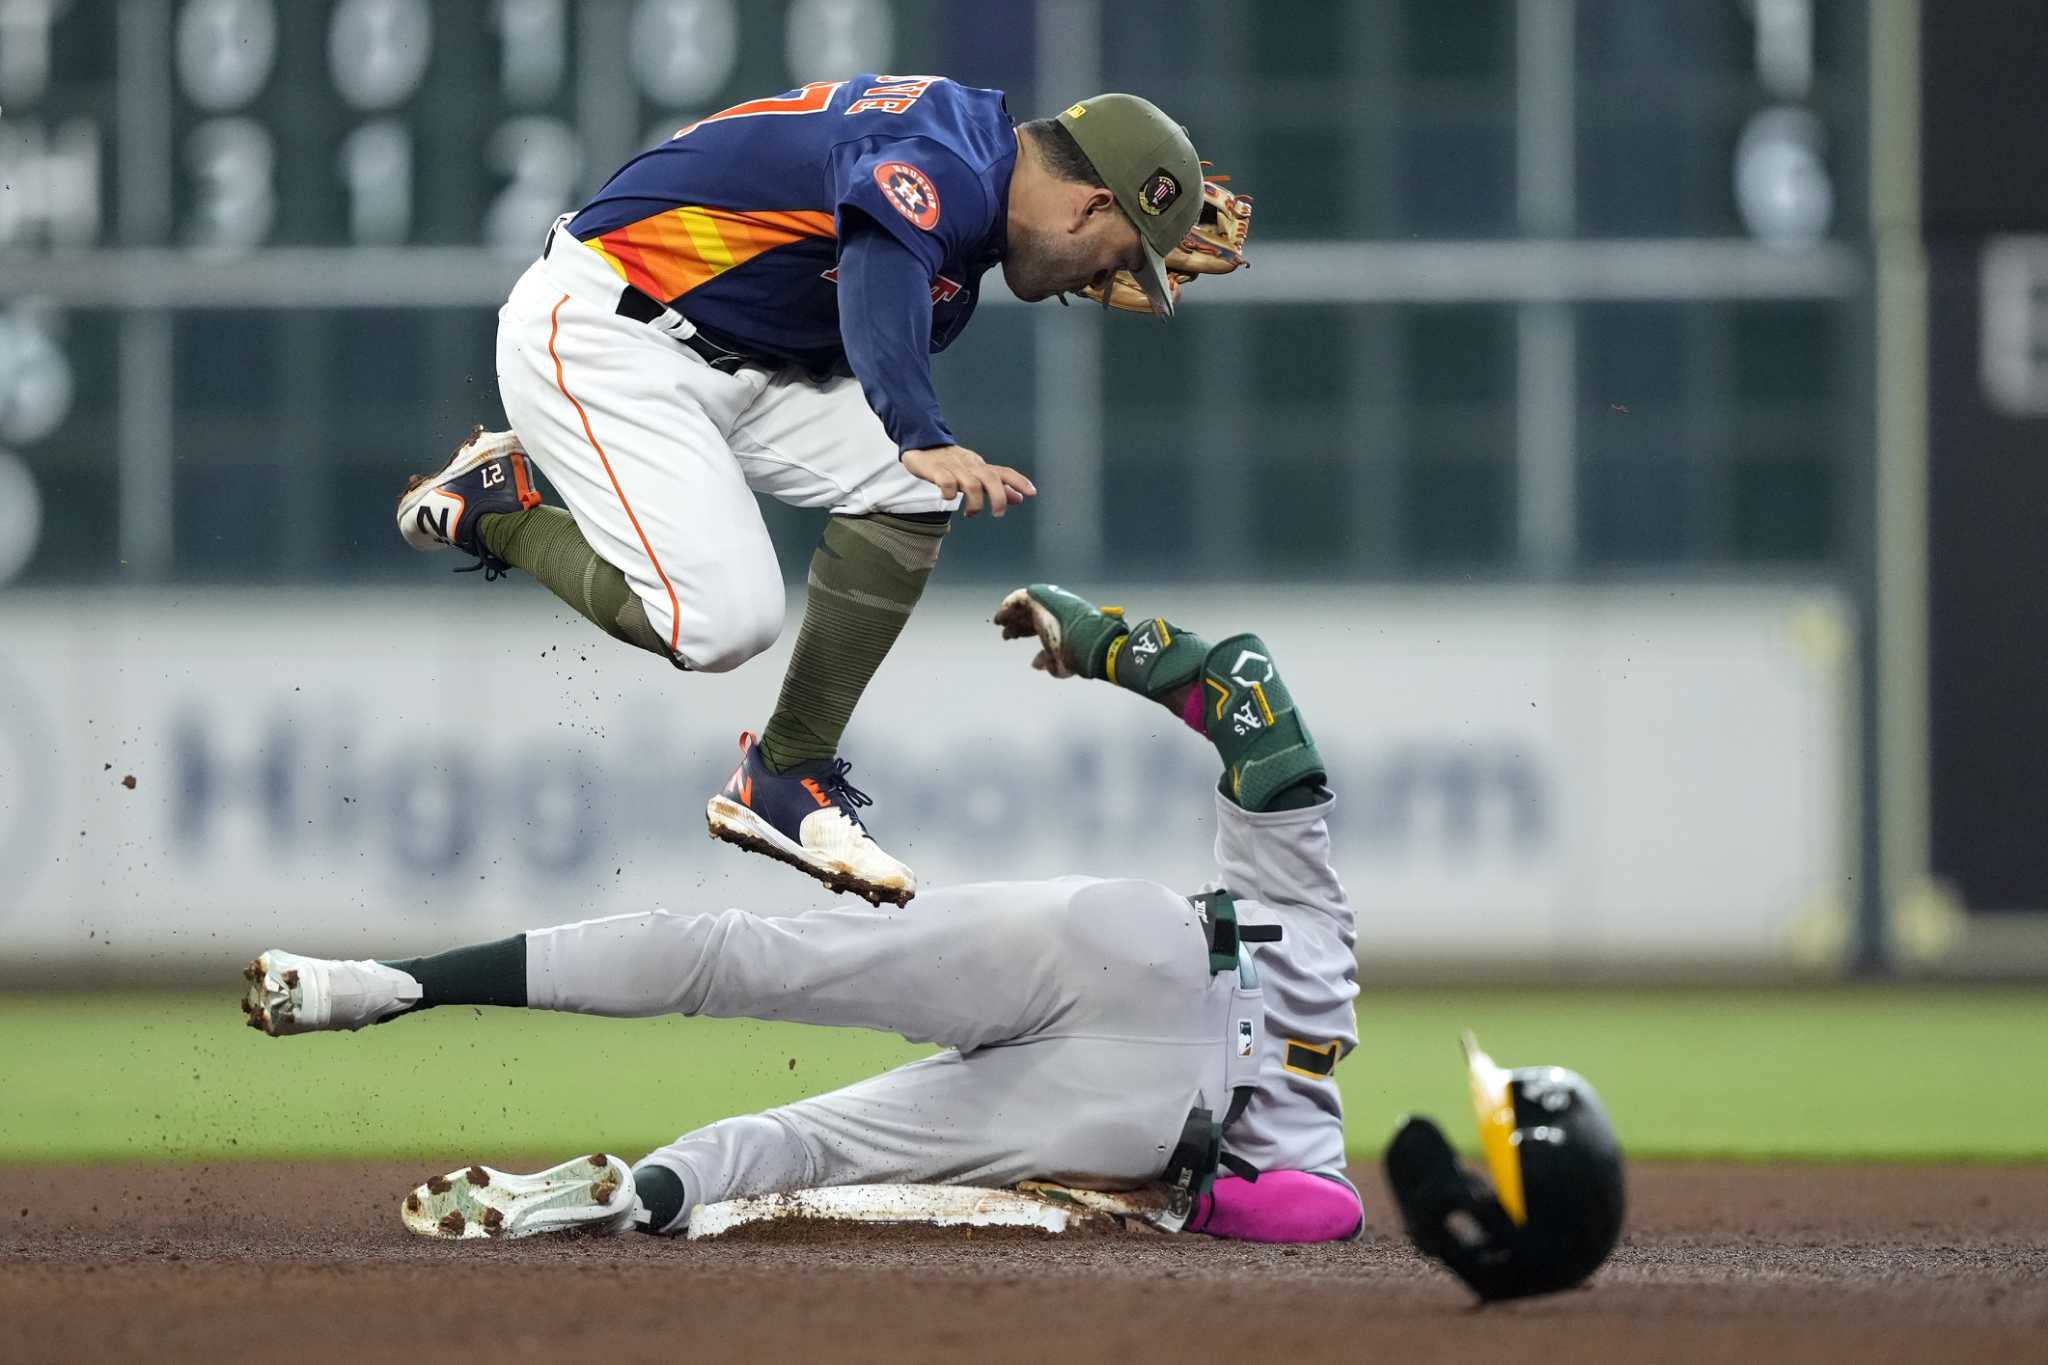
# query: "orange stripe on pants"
(675, 608)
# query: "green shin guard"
(865, 579)
(548, 545)
(1251, 718)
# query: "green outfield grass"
(1893, 1073)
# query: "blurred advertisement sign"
(1656, 775)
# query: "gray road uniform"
(1081, 1020)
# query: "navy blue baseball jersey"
(843, 226)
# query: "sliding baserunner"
(1100, 1032)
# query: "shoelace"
(493, 571)
(839, 789)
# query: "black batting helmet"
(1552, 1211)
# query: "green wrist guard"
(1251, 719)
(1155, 659)
(1072, 628)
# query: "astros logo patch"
(910, 191)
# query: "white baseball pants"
(659, 456)
(1082, 1017)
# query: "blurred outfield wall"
(1547, 292)
(1570, 778)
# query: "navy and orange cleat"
(487, 473)
(807, 817)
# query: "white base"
(940, 1206)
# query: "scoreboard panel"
(171, 135)
(229, 125)
(250, 251)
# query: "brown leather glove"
(1213, 246)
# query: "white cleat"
(828, 846)
(592, 1195)
(292, 994)
(809, 818)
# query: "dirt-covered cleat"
(592, 1195)
(292, 994)
(809, 818)
(487, 473)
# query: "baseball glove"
(1213, 246)
(1074, 635)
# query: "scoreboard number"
(541, 158)
(377, 50)
(375, 163)
(1782, 186)
(231, 161)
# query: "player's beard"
(1039, 264)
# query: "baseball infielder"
(1098, 1032)
(751, 307)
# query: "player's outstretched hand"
(1073, 633)
(958, 471)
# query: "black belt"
(644, 307)
(1218, 910)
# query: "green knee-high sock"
(548, 544)
(865, 578)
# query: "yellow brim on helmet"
(1493, 1104)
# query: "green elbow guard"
(1251, 719)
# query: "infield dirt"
(308, 1262)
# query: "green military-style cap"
(1150, 166)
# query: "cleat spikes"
(289, 994)
(875, 895)
(586, 1194)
